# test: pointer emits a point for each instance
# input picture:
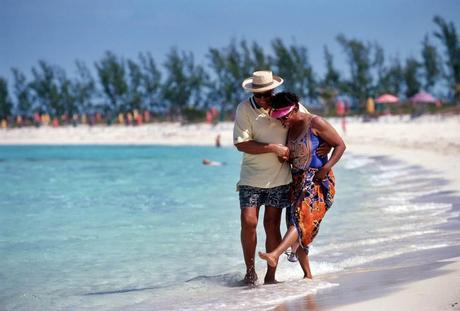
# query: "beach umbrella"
(423, 97)
(387, 99)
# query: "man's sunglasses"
(264, 95)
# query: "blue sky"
(61, 31)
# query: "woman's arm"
(326, 131)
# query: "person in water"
(212, 163)
(313, 186)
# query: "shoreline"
(173, 134)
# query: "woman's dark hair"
(283, 99)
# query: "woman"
(313, 187)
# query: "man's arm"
(243, 137)
(253, 147)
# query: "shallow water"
(130, 227)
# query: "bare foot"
(270, 281)
(250, 278)
(271, 260)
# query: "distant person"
(212, 163)
(146, 116)
(121, 118)
(91, 120)
(341, 111)
(313, 187)
(19, 121)
(129, 118)
(218, 145)
(209, 117)
(74, 119)
(55, 122)
(37, 119)
(264, 175)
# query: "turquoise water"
(131, 227)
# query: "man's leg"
(272, 219)
(249, 218)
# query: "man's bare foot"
(250, 278)
(308, 276)
(269, 281)
(271, 260)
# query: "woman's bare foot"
(271, 260)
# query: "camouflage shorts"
(256, 197)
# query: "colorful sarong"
(309, 202)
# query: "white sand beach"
(147, 134)
(432, 142)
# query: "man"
(265, 175)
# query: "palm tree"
(447, 34)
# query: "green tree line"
(181, 85)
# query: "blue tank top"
(316, 161)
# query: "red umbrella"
(387, 99)
(423, 97)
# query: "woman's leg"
(292, 257)
(290, 237)
(304, 263)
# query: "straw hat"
(262, 81)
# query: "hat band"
(262, 85)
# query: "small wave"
(424, 247)
(397, 172)
(405, 196)
(368, 242)
(357, 162)
(258, 298)
(124, 290)
(360, 260)
(328, 267)
(413, 226)
(410, 208)
(324, 267)
(227, 279)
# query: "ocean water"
(151, 228)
